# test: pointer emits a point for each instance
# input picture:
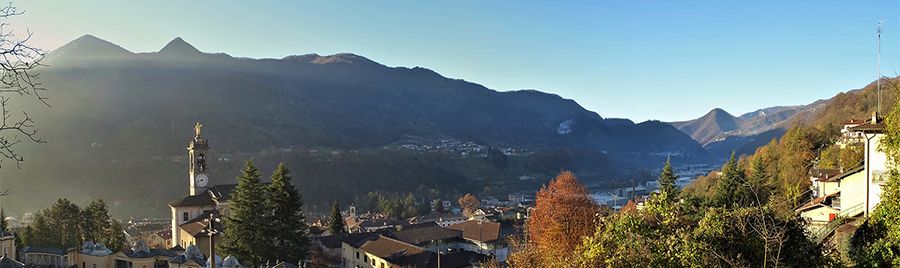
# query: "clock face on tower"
(202, 180)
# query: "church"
(191, 213)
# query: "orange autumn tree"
(469, 204)
(564, 212)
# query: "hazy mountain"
(770, 110)
(709, 126)
(720, 133)
(120, 122)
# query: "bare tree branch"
(18, 62)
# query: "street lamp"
(211, 232)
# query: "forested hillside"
(120, 121)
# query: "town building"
(371, 250)
(191, 213)
(849, 136)
(7, 244)
(47, 257)
(854, 192)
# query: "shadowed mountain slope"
(123, 119)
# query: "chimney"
(874, 117)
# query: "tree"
(469, 203)
(439, 205)
(4, 225)
(57, 226)
(409, 207)
(728, 192)
(758, 182)
(336, 223)
(95, 220)
(17, 78)
(667, 180)
(115, 237)
(288, 230)
(564, 212)
(244, 239)
(99, 227)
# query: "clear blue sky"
(629, 59)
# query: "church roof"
(222, 190)
(194, 226)
(201, 199)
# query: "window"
(186, 216)
(357, 255)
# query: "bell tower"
(198, 152)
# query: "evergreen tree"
(4, 225)
(99, 227)
(759, 187)
(245, 238)
(336, 224)
(95, 221)
(667, 180)
(730, 185)
(57, 226)
(288, 226)
(115, 237)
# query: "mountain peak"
(178, 47)
(86, 47)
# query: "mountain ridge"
(118, 112)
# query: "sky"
(642, 60)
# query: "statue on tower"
(197, 128)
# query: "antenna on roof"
(879, 65)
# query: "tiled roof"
(853, 121)
(47, 250)
(437, 216)
(818, 202)
(195, 227)
(10, 263)
(421, 235)
(202, 199)
(222, 190)
(868, 127)
(475, 230)
(393, 251)
(824, 172)
(140, 254)
(181, 259)
(846, 174)
(331, 241)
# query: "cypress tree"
(667, 180)
(288, 231)
(244, 237)
(336, 224)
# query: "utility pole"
(211, 231)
